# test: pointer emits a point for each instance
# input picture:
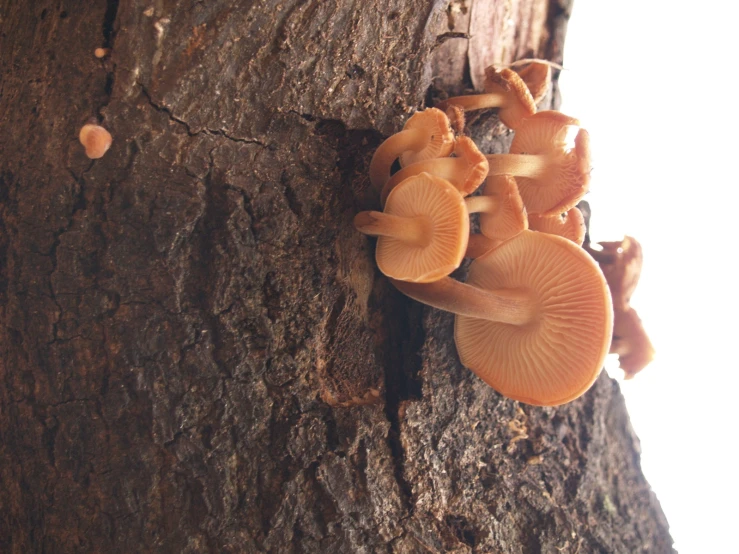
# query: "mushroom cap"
(630, 342)
(442, 138)
(440, 204)
(510, 217)
(557, 356)
(621, 263)
(466, 180)
(537, 76)
(508, 82)
(478, 244)
(570, 225)
(566, 179)
(96, 140)
(477, 165)
(456, 118)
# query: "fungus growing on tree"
(465, 171)
(96, 140)
(504, 89)
(631, 342)
(423, 232)
(621, 263)
(552, 171)
(534, 319)
(537, 76)
(570, 225)
(425, 135)
(502, 213)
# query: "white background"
(655, 84)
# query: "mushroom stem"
(415, 231)
(511, 306)
(483, 203)
(475, 101)
(518, 165)
(446, 168)
(388, 152)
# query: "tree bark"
(197, 353)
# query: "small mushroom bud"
(100, 53)
(96, 140)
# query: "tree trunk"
(197, 352)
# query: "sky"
(653, 82)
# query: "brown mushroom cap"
(570, 225)
(538, 77)
(621, 263)
(555, 357)
(96, 140)
(630, 342)
(465, 171)
(552, 174)
(436, 245)
(425, 135)
(502, 213)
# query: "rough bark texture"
(197, 353)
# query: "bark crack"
(188, 128)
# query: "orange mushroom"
(478, 244)
(502, 213)
(537, 76)
(504, 89)
(630, 342)
(621, 263)
(552, 173)
(423, 231)
(425, 135)
(570, 225)
(465, 171)
(96, 140)
(534, 320)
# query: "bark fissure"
(190, 131)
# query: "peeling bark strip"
(196, 351)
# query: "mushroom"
(465, 171)
(621, 263)
(100, 53)
(537, 75)
(570, 225)
(478, 244)
(534, 320)
(423, 231)
(504, 89)
(96, 140)
(630, 342)
(425, 135)
(502, 213)
(553, 173)
(456, 119)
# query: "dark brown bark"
(197, 353)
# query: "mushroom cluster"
(534, 318)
